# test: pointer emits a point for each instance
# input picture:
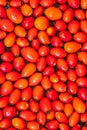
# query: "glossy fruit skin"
(65, 36)
(84, 4)
(41, 64)
(82, 93)
(84, 47)
(48, 71)
(68, 15)
(12, 76)
(33, 125)
(83, 117)
(39, 23)
(45, 104)
(18, 63)
(38, 11)
(74, 119)
(27, 115)
(63, 7)
(54, 78)
(64, 126)
(71, 47)
(51, 31)
(32, 33)
(28, 70)
(15, 96)
(43, 58)
(35, 43)
(26, 94)
(60, 25)
(58, 52)
(10, 39)
(81, 81)
(62, 75)
(38, 92)
(72, 60)
(18, 123)
(2, 34)
(20, 31)
(59, 86)
(22, 105)
(41, 117)
(57, 105)
(34, 3)
(22, 42)
(71, 75)
(34, 106)
(5, 123)
(80, 14)
(82, 57)
(52, 94)
(80, 106)
(83, 26)
(43, 37)
(56, 41)
(50, 115)
(28, 22)
(9, 111)
(46, 83)
(6, 25)
(53, 124)
(80, 37)
(15, 50)
(29, 54)
(26, 10)
(72, 87)
(6, 88)
(65, 97)
(47, 3)
(62, 65)
(35, 79)
(6, 67)
(21, 83)
(43, 50)
(15, 3)
(14, 15)
(68, 109)
(81, 70)
(73, 26)
(74, 3)
(3, 2)
(53, 13)
(61, 117)
(4, 101)
(7, 56)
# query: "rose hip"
(43, 64)
(6, 25)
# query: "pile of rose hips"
(43, 64)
